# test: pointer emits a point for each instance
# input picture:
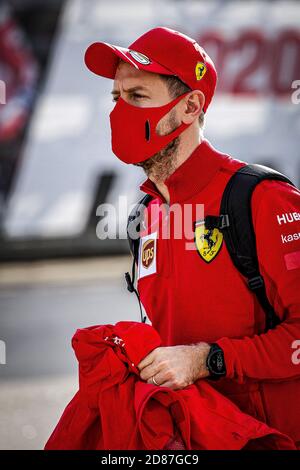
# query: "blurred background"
(56, 167)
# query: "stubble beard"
(163, 163)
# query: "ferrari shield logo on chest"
(208, 241)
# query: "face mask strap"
(166, 108)
(173, 134)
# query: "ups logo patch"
(148, 253)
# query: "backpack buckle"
(255, 282)
(224, 221)
(217, 221)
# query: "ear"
(193, 105)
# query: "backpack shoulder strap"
(133, 235)
(133, 225)
(235, 222)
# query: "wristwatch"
(215, 362)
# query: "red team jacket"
(115, 409)
(193, 295)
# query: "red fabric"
(189, 300)
(114, 409)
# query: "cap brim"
(103, 59)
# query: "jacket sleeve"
(274, 355)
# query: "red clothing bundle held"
(115, 409)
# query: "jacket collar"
(191, 176)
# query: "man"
(196, 299)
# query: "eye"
(137, 96)
(115, 98)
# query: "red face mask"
(133, 130)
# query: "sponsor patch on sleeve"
(292, 260)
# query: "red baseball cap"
(160, 50)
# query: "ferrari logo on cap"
(208, 241)
(141, 58)
(200, 70)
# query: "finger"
(166, 384)
(158, 378)
(146, 361)
(149, 371)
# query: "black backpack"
(235, 223)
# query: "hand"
(175, 367)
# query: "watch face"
(217, 362)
